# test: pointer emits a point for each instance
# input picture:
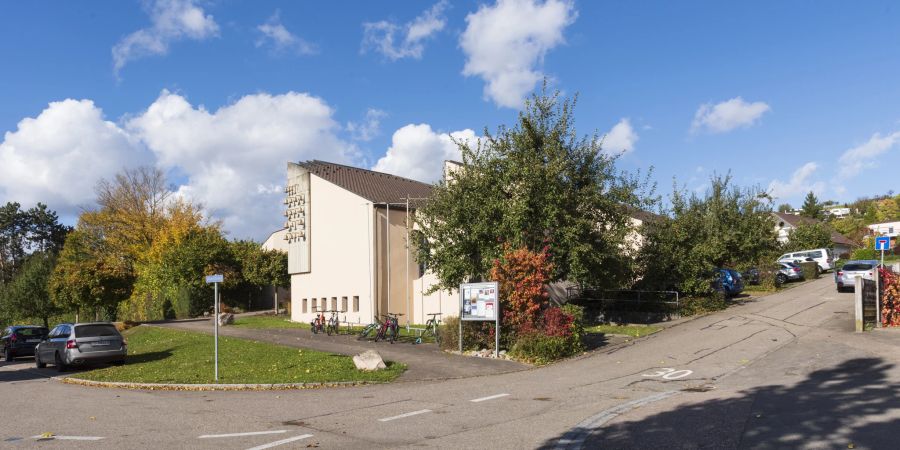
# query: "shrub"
(559, 335)
(522, 275)
(865, 253)
(700, 305)
(539, 348)
(810, 269)
(476, 335)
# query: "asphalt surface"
(784, 371)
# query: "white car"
(845, 277)
(823, 256)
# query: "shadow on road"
(853, 404)
(22, 370)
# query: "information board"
(479, 301)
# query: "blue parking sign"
(883, 243)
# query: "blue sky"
(792, 96)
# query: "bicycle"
(331, 327)
(318, 324)
(432, 328)
(390, 324)
(372, 327)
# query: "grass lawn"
(627, 330)
(162, 355)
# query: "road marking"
(669, 373)
(68, 438)
(281, 442)
(414, 413)
(249, 433)
(490, 397)
(574, 439)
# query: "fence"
(626, 306)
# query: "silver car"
(788, 272)
(845, 277)
(81, 343)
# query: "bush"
(476, 335)
(866, 253)
(700, 305)
(559, 336)
(539, 348)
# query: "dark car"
(81, 343)
(751, 275)
(20, 340)
(728, 282)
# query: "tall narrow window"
(323, 304)
(334, 303)
(355, 303)
(343, 304)
(305, 305)
(315, 306)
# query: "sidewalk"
(424, 361)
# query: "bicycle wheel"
(314, 327)
(437, 335)
(365, 332)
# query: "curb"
(209, 387)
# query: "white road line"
(249, 433)
(69, 438)
(490, 397)
(414, 413)
(281, 442)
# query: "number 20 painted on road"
(669, 373)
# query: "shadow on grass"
(148, 357)
(851, 405)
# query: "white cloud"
(281, 40)
(505, 43)
(379, 36)
(728, 115)
(799, 183)
(370, 126)
(58, 157)
(856, 159)
(620, 139)
(172, 20)
(234, 158)
(419, 153)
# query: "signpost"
(881, 243)
(215, 280)
(480, 302)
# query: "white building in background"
(837, 213)
(891, 229)
(347, 232)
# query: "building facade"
(347, 234)
(786, 222)
(891, 229)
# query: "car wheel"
(58, 362)
(37, 361)
(781, 278)
(8, 355)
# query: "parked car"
(81, 343)
(788, 272)
(728, 282)
(823, 256)
(845, 277)
(20, 340)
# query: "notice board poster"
(479, 301)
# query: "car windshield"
(853, 267)
(95, 330)
(28, 332)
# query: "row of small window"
(321, 304)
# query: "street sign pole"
(215, 280)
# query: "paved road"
(784, 371)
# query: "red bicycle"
(318, 324)
(390, 324)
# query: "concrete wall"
(341, 260)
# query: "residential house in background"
(891, 229)
(785, 222)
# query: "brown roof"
(794, 220)
(640, 214)
(377, 187)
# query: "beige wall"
(340, 232)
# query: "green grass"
(267, 322)
(627, 330)
(162, 355)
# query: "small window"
(323, 304)
(315, 306)
(355, 303)
(343, 304)
(334, 303)
(305, 305)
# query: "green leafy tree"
(811, 207)
(259, 268)
(27, 294)
(806, 236)
(535, 185)
(785, 207)
(727, 227)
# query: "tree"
(260, 268)
(811, 207)
(532, 186)
(807, 236)
(727, 227)
(27, 294)
(23, 232)
(784, 207)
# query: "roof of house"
(794, 220)
(377, 187)
(640, 214)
